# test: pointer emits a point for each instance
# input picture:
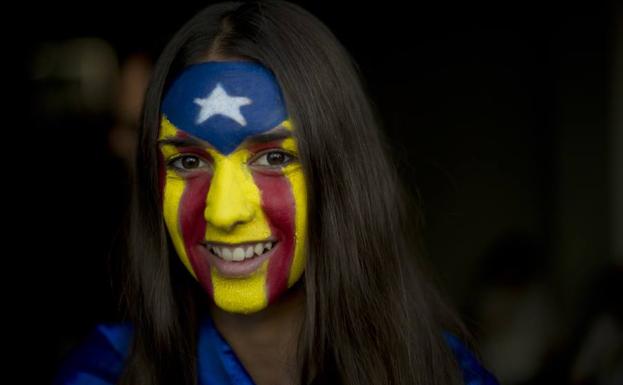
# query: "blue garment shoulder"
(473, 372)
(99, 359)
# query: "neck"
(266, 341)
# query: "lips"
(237, 260)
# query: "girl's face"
(234, 198)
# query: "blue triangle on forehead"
(223, 103)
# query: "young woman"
(270, 238)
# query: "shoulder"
(99, 359)
(473, 371)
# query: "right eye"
(187, 162)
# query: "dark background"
(505, 121)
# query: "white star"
(218, 102)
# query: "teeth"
(227, 254)
(241, 253)
(259, 249)
(238, 254)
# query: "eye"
(187, 162)
(273, 159)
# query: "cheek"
(193, 225)
(192, 206)
(279, 207)
(184, 204)
(277, 200)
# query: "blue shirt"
(100, 358)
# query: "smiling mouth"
(240, 252)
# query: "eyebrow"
(276, 134)
(179, 141)
(279, 133)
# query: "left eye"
(272, 159)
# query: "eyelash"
(289, 159)
(172, 162)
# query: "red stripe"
(193, 225)
(279, 206)
(181, 134)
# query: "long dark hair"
(371, 316)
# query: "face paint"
(234, 199)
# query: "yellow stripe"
(294, 173)
(234, 197)
(172, 196)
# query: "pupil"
(275, 158)
(190, 162)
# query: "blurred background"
(506, 122)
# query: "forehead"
(223, 103)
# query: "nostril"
(228, 222)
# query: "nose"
(230, 200)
